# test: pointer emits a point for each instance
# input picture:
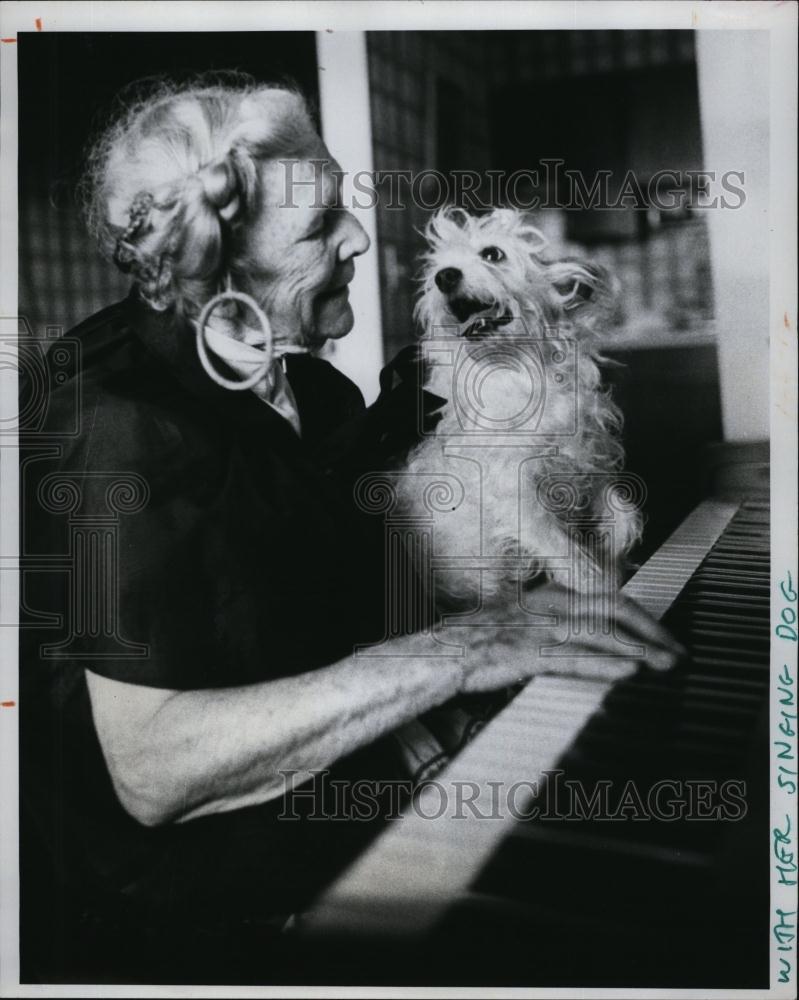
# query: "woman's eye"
(492, 254)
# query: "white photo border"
(779, 20)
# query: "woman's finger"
(603, 668)
(628, 617)
(556, 600)
(630, 614)
(599, 643)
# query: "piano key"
(381, 893)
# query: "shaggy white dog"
(529, 439)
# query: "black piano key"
(755, 626)
(697, 722)
(620, 881)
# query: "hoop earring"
(202, 349)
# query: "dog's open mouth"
(463, 308)
(485, 325)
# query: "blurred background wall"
(619, 101)
(505, 101)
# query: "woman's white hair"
(173, 181)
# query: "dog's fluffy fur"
(508, 292)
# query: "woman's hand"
(499, 655)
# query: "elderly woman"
(157, 743)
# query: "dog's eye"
(492, 254)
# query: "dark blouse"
(187, 538)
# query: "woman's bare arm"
(176, 755)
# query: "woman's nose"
(354, 240)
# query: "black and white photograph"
(398, 570)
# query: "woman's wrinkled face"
(301, 249)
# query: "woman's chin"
(333, 318)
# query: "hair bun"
(220, 186)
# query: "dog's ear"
(456, 215)
(444, 224)
(522, 226)
(586, 290)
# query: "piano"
(671, 895)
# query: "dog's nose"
(447, 279)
